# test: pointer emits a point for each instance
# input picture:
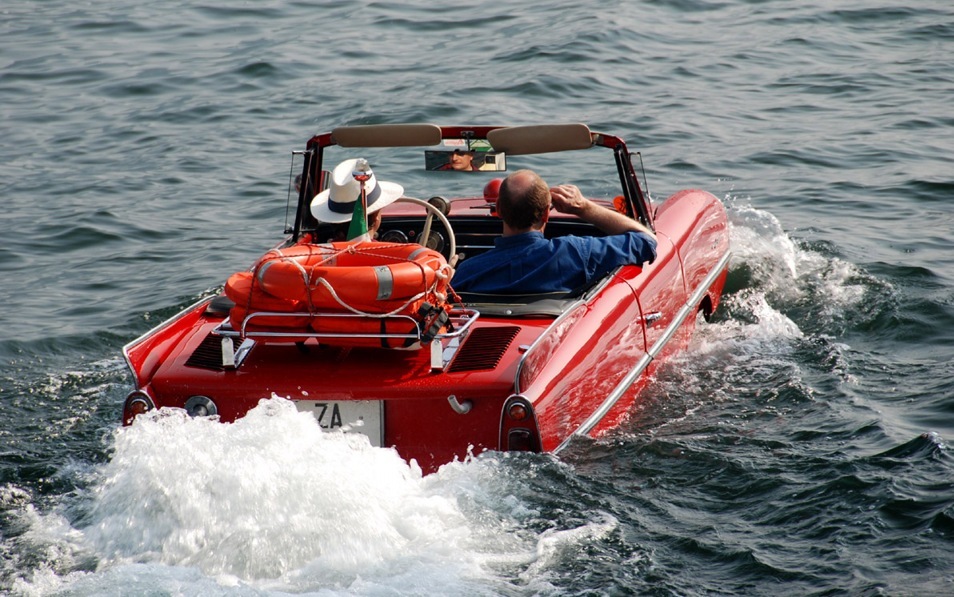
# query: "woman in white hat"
(340, 203)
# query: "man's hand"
(568, 199)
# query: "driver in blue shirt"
(524, 262)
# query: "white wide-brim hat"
(336, 203)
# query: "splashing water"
(272, 502)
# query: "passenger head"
(524, 200)
(336, 203)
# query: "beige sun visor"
(387, 135)
(525, 140)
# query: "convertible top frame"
(511, 140)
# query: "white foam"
(788, 274)
(50, 539)
(555, 544)
(272, 503)
(781, 296)
(264, 497)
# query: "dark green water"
(800, 447)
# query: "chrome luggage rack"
(459, 322)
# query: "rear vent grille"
(208, 355)
(484, 348)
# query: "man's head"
(524, 201)
(462, 159)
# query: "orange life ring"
(379, 287)
(370, 277)
(249, 298)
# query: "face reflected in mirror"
(462, 161)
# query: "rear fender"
(146, 353)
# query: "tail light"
(518, 426)
(137, 403)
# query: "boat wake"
(272, 503)
(783, 294)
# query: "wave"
(272, 503)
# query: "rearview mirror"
(459, 157)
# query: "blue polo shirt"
(529, 263)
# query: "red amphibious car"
(372, 338)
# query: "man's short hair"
(523, 206)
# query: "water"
(799, 447)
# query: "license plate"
(353, 416)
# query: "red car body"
(518, 373)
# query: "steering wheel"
(432, 212)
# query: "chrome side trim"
(158, 327)
(566, 313)
(688, 308)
